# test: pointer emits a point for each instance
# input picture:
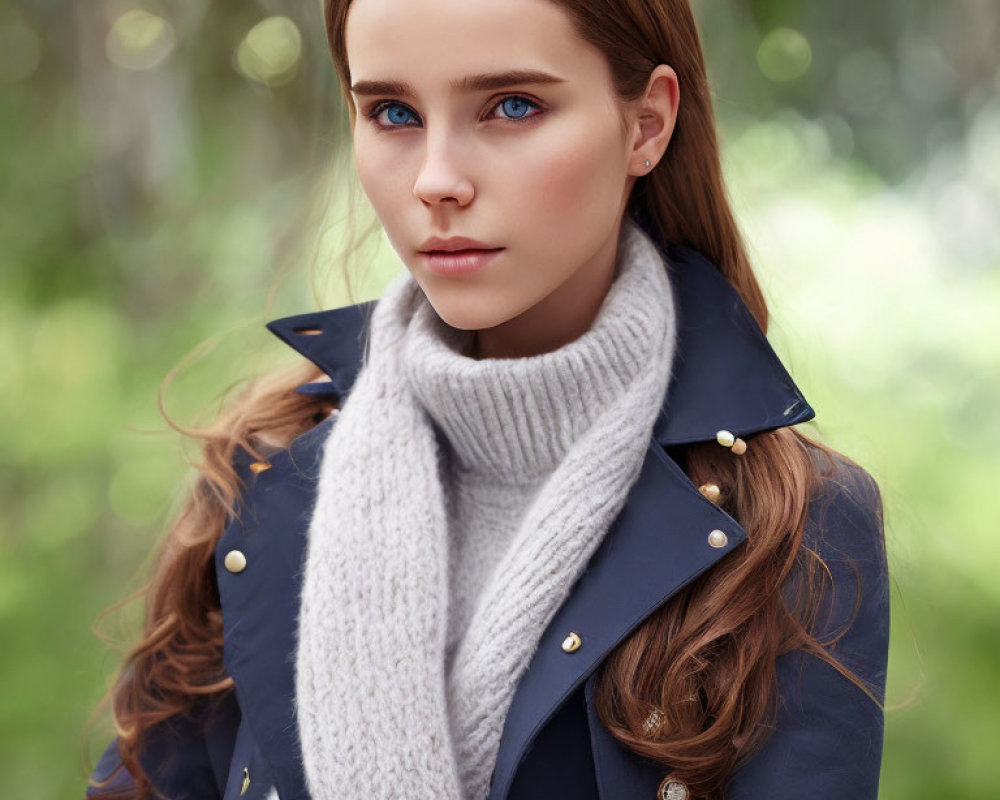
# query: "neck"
(515, 418)
(560, 317)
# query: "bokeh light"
(784, 55)
(139, 40)
(270, 52)
(20, 46)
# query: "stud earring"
(647, 162)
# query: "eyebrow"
(471, 83)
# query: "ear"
(655, 119)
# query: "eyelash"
(380, 106)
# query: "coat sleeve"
(186, 757)
(827, 741)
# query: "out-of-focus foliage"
(164, 164)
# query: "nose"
(440, 178)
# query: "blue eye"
(515, 105)
(397, 113)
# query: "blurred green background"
(171, 171)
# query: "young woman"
(537, 522)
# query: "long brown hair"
(718, 639)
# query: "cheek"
(378, 165)
(577, 179)
(375, 180)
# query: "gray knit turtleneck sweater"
(458, 502)
(506, 423)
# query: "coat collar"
(726, 377)
(726, 374)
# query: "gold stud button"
(718, 538)
(246, 781)
(571, 642)
(258, 467)
(235, 561)
(725, 438)
(739, 447)
(672, 789)
(711, 491)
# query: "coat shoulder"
(845, 522)
(844, 541)
(294, 466)
(848, 487)
(826, 740)
(301, 454)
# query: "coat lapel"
(726, 376)
(657, 544)
(260, 603)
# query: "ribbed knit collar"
(513, 419)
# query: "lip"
(454, 243)
(460, 262)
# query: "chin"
(466, 320)
(459, 313)
(457, 307)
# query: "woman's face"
(539, 169)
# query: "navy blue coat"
(827, 742)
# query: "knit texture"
(506, 423)
(458, 502)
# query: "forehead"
(433, 42)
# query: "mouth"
(459, 262)
(461, 252)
